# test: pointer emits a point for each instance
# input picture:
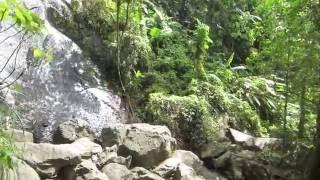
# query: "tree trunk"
(302, 120)
(286, 101)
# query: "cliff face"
(68, 87)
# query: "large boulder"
(148, 145)
(210, 174)
(87, 170)
(255, 143)
(188, 158)
(185, 172)
(47, 159)
(169, 168)
(70, 131)
(143, 174)
(22, 171)
(241, 165)
(117, 172)
(20, 135)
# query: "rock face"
(20, 135)
(251, 142)
(48, 159)
(21, 171)
(185, 172)
(148, 145)
(117, 172)
(170, 168)
(87, 170)
(69, 87)
(70, 131)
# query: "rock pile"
(122, 152)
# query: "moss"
(187, 117)
(220, 101)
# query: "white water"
(61, 90)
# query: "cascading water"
(69, 87)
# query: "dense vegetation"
(255, 61)
(200, 65)
(197, 66)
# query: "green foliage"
(39, 55)
(7, 146)
(13, 11)
(187, 116)
(220, 101)
(7, 151)
(200, 47)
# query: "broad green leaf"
(37, 53)
(155, 32)
(230, 59)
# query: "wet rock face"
(69, 87)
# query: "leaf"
(37, 53)
(18, 88)
(230, 59)
(155, 32)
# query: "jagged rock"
(185, 172)
(188, 158)
(241, 165)
(107, 154)
(47, 159)
(215, 149)
(210, 174)
(70, 131)
(169, 168)
(222, 161)
(87, 170)
(148, 145)
(143, 174)
(21, 171)
(117, 172)
(121, 160)
(20, 135)
(252, 142)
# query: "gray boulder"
(48, 159)
(104, 157)
(70, 131)
(210, 174)
(148, 145)
(241, 165)
(87, 170)
(185, 172)
(143, 174)
(216, 149)
(20, 135)
(188, 158)
(169, 167)
(117, 172)
(256, 143)
(22, 171)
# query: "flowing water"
(68, 88)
